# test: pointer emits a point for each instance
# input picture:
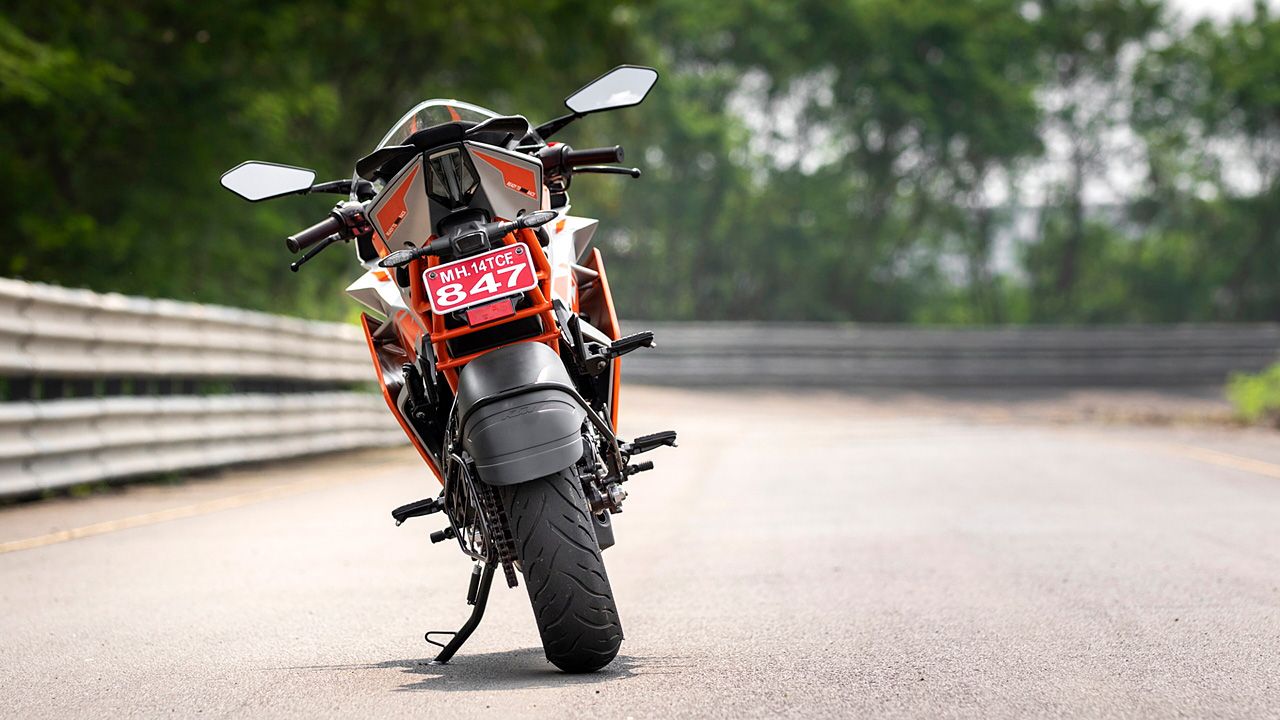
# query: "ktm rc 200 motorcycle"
(497, 346)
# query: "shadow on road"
(520, 669)
(525, 668)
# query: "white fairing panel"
(401, 213)
(512, 181)
(570, 237)
(582, 229)
(377, 291)
(510, 184)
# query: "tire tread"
(564, 572)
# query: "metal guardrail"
(862, 356)
(58, 443)
(53, 332)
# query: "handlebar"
(306, 238)
(592, 156)
(559, 161)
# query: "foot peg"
(645, 443)
(624, 345)
(417, 509)
(597, 362)
(639, 467)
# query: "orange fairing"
(394, 210)
(381, 361)
(540, 296)
(597, 304)
(410, 333)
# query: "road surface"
(807, 556)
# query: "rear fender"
(519, 414)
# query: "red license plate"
(479, 279)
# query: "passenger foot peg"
(644, 444)
(417, 509)
(624, 345)
(597, 362)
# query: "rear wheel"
(563, 571)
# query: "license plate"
(479, 279)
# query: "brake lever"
(320, 246)
(608, 170)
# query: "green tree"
(120, 117)
(1082, 49)
(1208, 112)
(814, 160)
(876, 117)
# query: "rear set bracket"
(593, 357)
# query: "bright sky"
(1217, 9)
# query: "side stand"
(477, 597)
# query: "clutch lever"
(608, 170)
(320, 246)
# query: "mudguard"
(518, 413)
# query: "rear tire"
(563, 571)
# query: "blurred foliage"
(1256, 397)
(814, 160)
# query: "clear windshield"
(424, 115)
(433, 112)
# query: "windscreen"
(433, 112)
(424, 115)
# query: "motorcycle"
(496, 344)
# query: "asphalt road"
(809, 556)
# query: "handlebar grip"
(593, 156)
(304, 239)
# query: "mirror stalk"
(363, 188)
(551, 127)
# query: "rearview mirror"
(623, 86)
(256, 180)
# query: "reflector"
(482, 314)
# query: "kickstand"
(477, 597)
